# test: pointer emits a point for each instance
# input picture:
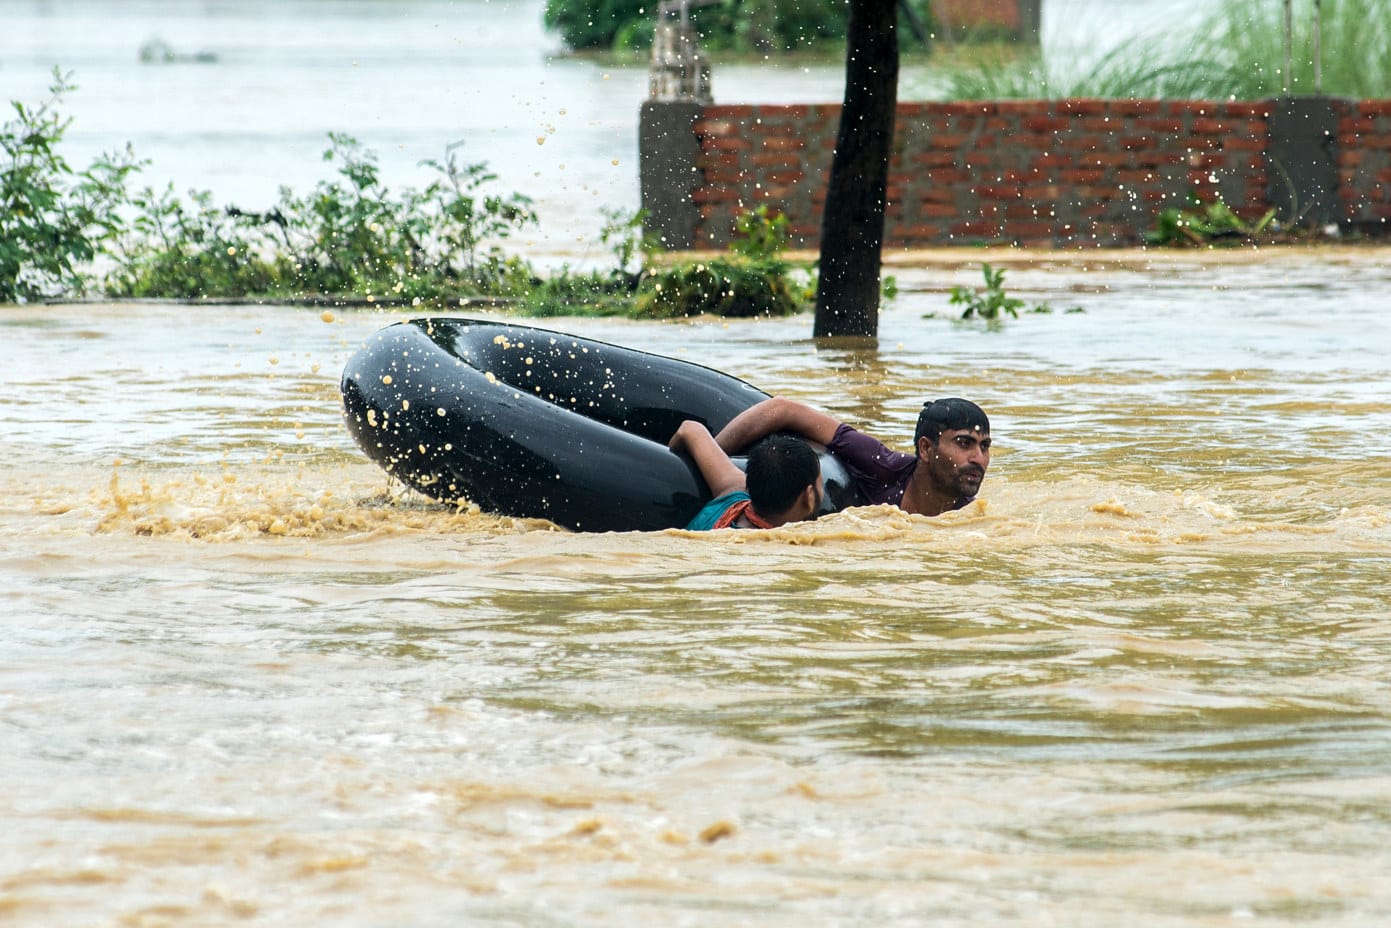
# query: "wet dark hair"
(780, 467)
(952, 413)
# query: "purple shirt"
(879, 473)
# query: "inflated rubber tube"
(529, 422)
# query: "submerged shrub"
(755, 280)
(738, 287)
(53, 219)
(350, 235)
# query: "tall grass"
(1128, 71)
(1355, 40)
(1237, 52)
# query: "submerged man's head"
(952, 442)
(783, 479)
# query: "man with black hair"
(782, 484)
(951, 451)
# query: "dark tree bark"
(852, 225)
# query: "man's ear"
(923, 451)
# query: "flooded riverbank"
(1143, 679)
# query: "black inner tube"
(530, 422)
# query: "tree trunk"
(852, 225)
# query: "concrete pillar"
(667, 170)
(1030, 20)
(679, 70)
(1302, 157)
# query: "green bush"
(53, 220)
(351, 235)
(737, 287)
(755, 280)
(737, 25)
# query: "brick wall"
(1060, 173)
(1364, 163)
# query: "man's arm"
(715, 466)
(776, 415)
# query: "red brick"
(1046, 123)
(1027, 229)
(997, 192)
(1041, 193)
(1348, 125)
(1188, 108)
(977, 229)
(774, 161)
(720, 143)
(786, 177)
(1206, 125)
(1246, 108)
(1162, 125)
(934, 159)
(948, 176)
(1138, 142)
(715, 195)
(1083, 107)
(715, 161)
(965, 107)
(1082, 176)
(1207, 161)
(783, 144)
(1106, 125)
(938, 210)
(920, 231)
(950, 140)
(1135, 107)
(1134, 177)
(1024, 211)
(1053, 160)
(734, 111)
(1023, 107)
(1109, 159)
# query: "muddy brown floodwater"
(1144, 680)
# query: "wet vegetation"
(1210, 223)
(992, 302)
(65, 232)
(54, 219)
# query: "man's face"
(957, 463)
